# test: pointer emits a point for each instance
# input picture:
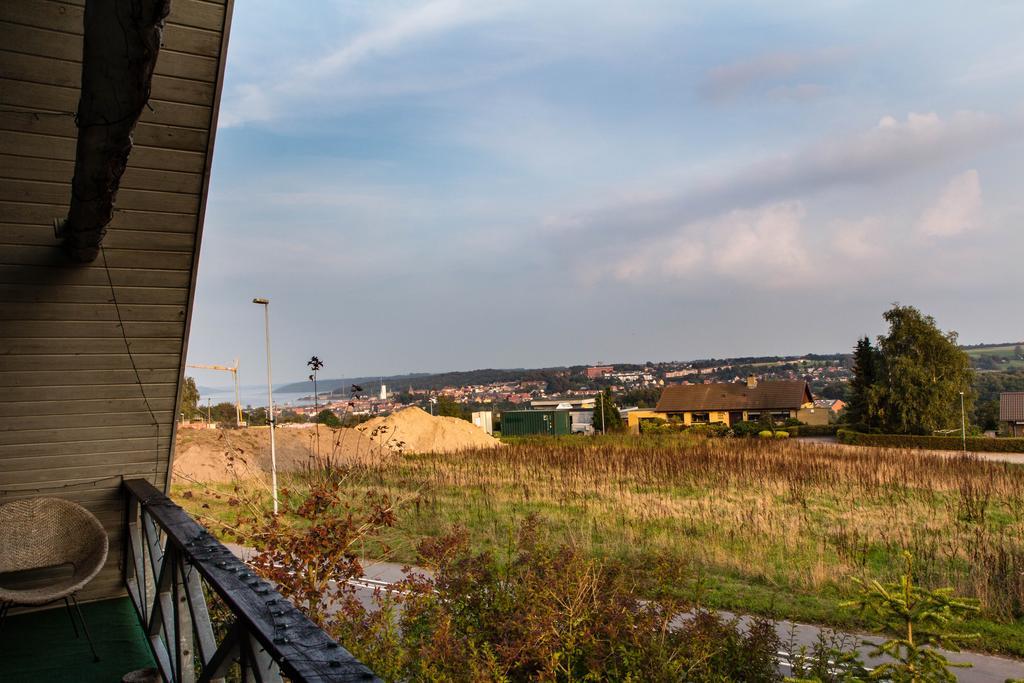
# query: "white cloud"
(762, 246)
(747, 226)
(727, 81)
(889, 149)
(894, 146)
(401, 31)
(858, 240)
(315, 83)
(957, 210)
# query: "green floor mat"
(41, 646)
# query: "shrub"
(553, 614)
(814, 430)
(713, 429)
(766, 434)
(746, 428)
(939, 443)
(660, 427)
(781, 435)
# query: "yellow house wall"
(634, 417)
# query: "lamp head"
(261, 301)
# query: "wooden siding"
(91, 357)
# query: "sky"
(455, 184)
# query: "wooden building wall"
(91, 357)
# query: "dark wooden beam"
(120, 49)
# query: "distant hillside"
(983, 356)
(345, 382)
(434, 381)
(997, 356)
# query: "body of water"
(255, 397)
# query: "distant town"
(635, 387)
(632, 384)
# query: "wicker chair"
(46, 533)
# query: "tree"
(923, 620)
(328, 417)
(923, 371)
(866, 363)
(223, 413)
(986, 414)
(255, 417)
(289, 416)
(447, 407)
(189, 405)
(612, 420)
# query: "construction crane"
(233, 369)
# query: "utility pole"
(601, 397)
(963, 421)
(209, 420)
(270, 398)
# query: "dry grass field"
(765, 527)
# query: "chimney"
(751, 381)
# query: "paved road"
(984, 669)
(1012, 458)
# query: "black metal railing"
(169, 558)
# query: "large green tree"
(189, 405)
(923, 371)
(866, 362)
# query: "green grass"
(1006, 351)
(1003, 350)
(765, 528)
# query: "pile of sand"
(226, 454)
(220, 455)
(413, 430)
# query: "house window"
(780, 415)
(753, 416)
(700, 418)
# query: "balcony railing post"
(184, 642)
(134, 562)
(182, 555)
(200, 613)
(160, 629)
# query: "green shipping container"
(527, 422)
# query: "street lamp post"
(270, 399)
(963, 422)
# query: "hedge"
(938, 443)
(813, 430)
